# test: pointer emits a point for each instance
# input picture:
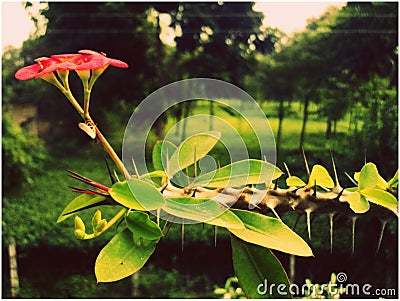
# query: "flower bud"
(100, 226)
(79, 225)
(96, 219)
(79, 234)
(220, 291)
(333, 278)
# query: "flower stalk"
(89, 65)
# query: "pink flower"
(43, 66)
(92, 60)
(84, 60)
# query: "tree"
(221, 38)
(364, 40)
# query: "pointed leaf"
(122, 257)
(203, 210)
(140, 224)
(154, 177)
(270, 233)
(255, 267)
(351, 189)
(394, 182)
(320, 176)
(137, 194)
(154, 174)
(239, 173)
(159, 153)
(80, 202)
(184, 155)
(357, 202)
(294, 181)
(369, 176)
(381, 183)
(382, 198)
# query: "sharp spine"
(287, 169)
(297, 220)
(382, 230)
(113, 179)
(135, 167)
(353, 232)
(305, 160)
(275, 213)
(335, 172)
(331, 215)
(308, 215)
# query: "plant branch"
(282, 200)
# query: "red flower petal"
(117, 63)
(84, 60)
(64, 57)
(28, 72)
(86, 51)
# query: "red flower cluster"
(83, 60)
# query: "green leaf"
(357, 176)
(145, 196)
(154, 177)
(154, 174)
(159, 153)
(394, 182)
(351, 189)
(184, 155)
(357, 202)
(382, 198)
(250, 171)
(140, 224)
(271, 233)
(256, 266)
(381, 183)
(80, 202)
(121, 257)
(203, 210)
(320, 176)
(369, 176)
(294, 181)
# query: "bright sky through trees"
(287, 16)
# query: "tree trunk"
(186, 112)
(305, 118)
(334, 127)
(135, 285)
(292, 268)
(159, 125)
(211, 115)
(14, 279)
(281, 114)
(328, 132)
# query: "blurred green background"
(332, 86)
